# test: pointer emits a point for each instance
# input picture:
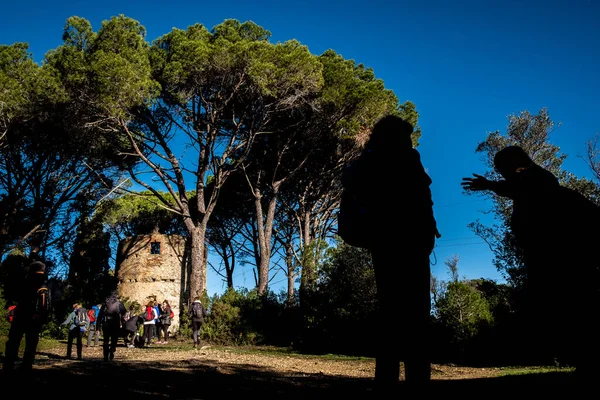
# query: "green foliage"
(226, 325)
(120, 67)
(138, 214)
(4, 324)
(464, 311)
(53, 330)
(24, 86)
(353, 90)
(246, 318)
(339, 317)
(187, 63)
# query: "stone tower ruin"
(152, 267)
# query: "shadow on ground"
(210, 380)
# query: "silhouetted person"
(30, 314)
(556, 229)
(401, 205)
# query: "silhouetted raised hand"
(476, 184)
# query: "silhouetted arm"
(480, 183)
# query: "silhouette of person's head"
(36, 273)
(37, 267)
(390, 132)
(508, 160)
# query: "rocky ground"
(177, 371)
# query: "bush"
(4, 324)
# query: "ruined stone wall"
(151, 267)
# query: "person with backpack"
(110, 318)
(31, 312)
(166, 314)
(94, 329)
(150, 315)
(402, 231)
(197, 313)
(78, 323)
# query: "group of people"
(551, 226)
(111, 318)
(116, 323)
(108, 320)
(156, 320)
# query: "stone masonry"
(151, 267)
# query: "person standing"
(197, 313)
(157, 324)
(30, 313)
(131, 327)
(78, 324)
(399, 199)
(150, 317)
(93, 335)
(110, 317)
(165, 321)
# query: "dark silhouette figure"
(30, 314)
(556, 230)
(111, 317)
(404, 232)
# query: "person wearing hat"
(30, 314)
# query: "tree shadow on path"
(206, 379)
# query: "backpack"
(149, 314)
(354, 221)
(41, 305)
(81, 317)
(112, 308)
(197, 310)
(172, 315)
(10, 314)
(92, 315)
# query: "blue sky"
(466, 65)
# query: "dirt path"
(177, 371)
(180, 356)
